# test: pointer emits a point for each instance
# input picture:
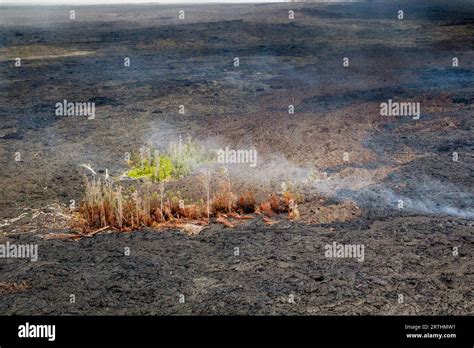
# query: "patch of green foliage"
(138, 172)
(186, 157)
(151, 170)
(157, 168)
(166, 168)
(180, 160)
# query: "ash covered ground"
(190, 62)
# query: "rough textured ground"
(406, 255)
(282, 62)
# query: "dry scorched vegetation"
(108, 204)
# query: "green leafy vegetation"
(180, 160)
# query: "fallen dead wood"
(98, 231)
(241, 217)
(269, 221)
(193, 229)
(222, 220)
(74, 236)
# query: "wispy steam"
(427, 196)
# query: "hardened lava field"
(398, 185)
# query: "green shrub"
(187, 157)
(141, 172)
(151, 170)
(166, 168)
(181, 159)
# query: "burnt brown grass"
(108, 204)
